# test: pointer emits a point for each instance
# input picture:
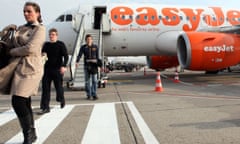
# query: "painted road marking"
(46, 124)
(102, 124)
(102, 127)
(7, 116)
(148, 136)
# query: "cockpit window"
(69, 17)
(60, 18)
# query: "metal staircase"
(77, 73)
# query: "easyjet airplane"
(197, 38)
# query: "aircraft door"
(98, 11)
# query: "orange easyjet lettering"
(233, 17)
(123, 15)
(218, 18)
(171, 18)
(192, 17)
(150, 17)
(118, 15)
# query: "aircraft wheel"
(104, 85)
(99, 84)
(211, 72)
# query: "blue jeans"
(90, 83)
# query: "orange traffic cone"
(158, 87)
(176, 78)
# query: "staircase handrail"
(76, 49)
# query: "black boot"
(28, 131)
(27, 137)
(33, 134)
(33, 131)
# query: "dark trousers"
(23, 109)
(22, 106)
(57, 78)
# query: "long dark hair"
(36, 7)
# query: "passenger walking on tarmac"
(28, 42)
(54, 70)
(91, 58)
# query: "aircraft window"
(221, 18)
(69, 18)
(131, 17)
(181, 18)
(137, 17)
(115, 17)
(214, 19)
(226, 19)
(187, 18)
(167, 17)
(160, 17)
(153, 17)
(174, 17)
(145, 17)
(123, 16)
(194, 18)
(60, 18)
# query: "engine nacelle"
(208, 50)
(162, 62)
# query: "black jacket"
(89, 53)
(55, 52)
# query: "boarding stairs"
(77, 73)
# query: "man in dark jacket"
(91, 58)
(54, 70)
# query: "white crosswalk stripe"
(7, 116)
(102, 124)
(102, 121)
(46, 124)
(146, 132)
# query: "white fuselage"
(146, 30)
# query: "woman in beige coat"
(28, 41)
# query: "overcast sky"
(11, 10)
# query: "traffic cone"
(158, 87)
(176, 77)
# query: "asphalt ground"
(199, 109)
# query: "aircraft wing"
(226, 29)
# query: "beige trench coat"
(28, 42)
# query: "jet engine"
(208, 51)
(162, 62)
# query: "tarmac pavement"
(200, 109)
